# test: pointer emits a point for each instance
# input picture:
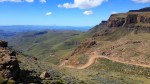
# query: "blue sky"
(63, 12)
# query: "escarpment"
(118, 25)
(116, 21)
(130, 19)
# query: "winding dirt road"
(94, 57)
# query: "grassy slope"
(103, 72)
(51, 46)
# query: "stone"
(44, 75)
(3, 43)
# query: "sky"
(63, 12)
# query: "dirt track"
(96, 56)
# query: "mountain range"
(115, 51)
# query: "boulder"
(3, 43)
(44, 75)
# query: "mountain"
(6, 34)
(146, 9)
(48, 45)
(32, 70)
(26, 28)
(124, 38)
(113, 52)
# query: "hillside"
(15, 68)
(113, 52)
(31, 70)
(49, 45)
(123, 37)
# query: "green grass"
(51, 43)
(123, 68)
(83, 59)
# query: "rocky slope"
(122, 30)
(9, 67)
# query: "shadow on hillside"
(27, 77)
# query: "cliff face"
(144, 19)
(130, 20)
(9, 66)
(116, 22)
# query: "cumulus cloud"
(88, 12)
(48, 13)
(82, 4)
(142, 1)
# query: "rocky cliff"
(118, 25)
(9, 67)
(130, 19)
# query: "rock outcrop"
(144, 19)
(116, 21)
(84, 46)
(44, 75)
(128, 20)
(3, 43)
(9, 66)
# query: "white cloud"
(30, 1)
(113, 12)
(88, 12)
(43, 1)
(82, 4)
(10, 0)
(142, 1)
(67, 5)
(48, 13)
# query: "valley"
(115, 51)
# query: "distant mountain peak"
(146, 9)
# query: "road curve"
(94, 57)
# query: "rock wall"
(116, 21)
(143, 19)
(129, 20)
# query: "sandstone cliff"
(130, 20)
